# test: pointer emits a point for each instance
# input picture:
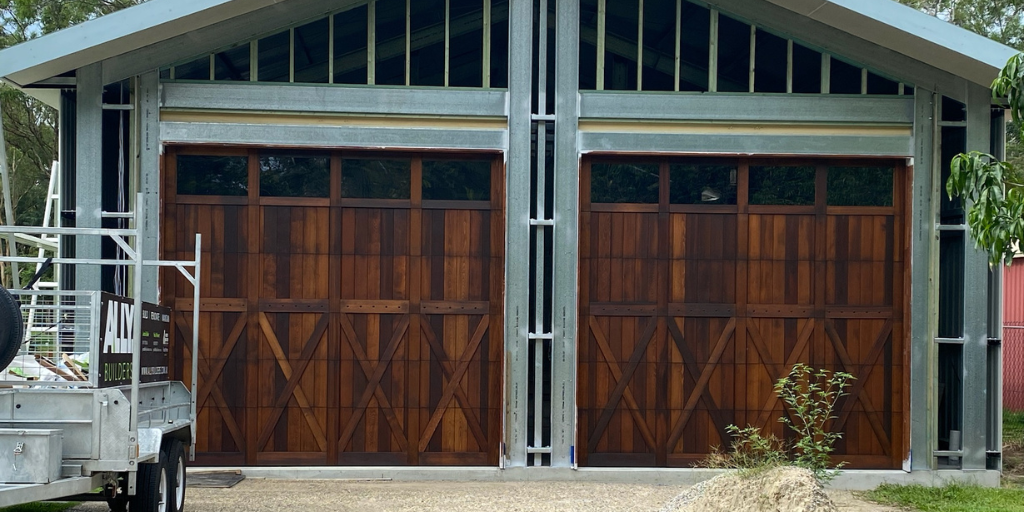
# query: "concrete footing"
(853, 480)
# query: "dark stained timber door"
(351, 308)
(703, 281)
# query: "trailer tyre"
(174, 454)
(152, 488)
(11, 328)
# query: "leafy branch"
(989, 186)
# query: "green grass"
(953, 497)
(1013, 428)
(42, 506)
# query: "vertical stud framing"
(148, 147)
(713, 54)
(975, 348)
(517, 218)
(923, 247)
(566, 235)
(330, 49)
(88, 172)
(487, 45)
(640, 46)
(753, 56)
(679, 42)
(826, 73)
(371, 42)
(291, 53)
(602, 13)
(448, 40)
(789, 66)
(538, 335)
(408, 41)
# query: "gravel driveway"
(338, 495)
(260, 495)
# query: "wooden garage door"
(351, 308)
(703, 282)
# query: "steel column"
(148, 110)
(566, 234)
(979, 127)
(922, 324)
(89, 173)
(517, 235)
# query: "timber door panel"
(340, 328)
(695, 300)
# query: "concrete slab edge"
(851, 480)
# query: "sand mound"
(784, 489)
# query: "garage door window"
(703, 184)
(375, 179)
(456, 180)
(624, 183)
(782, 186)
(294, 175)
(860, 186)
(202, 175)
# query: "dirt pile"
(784, 489)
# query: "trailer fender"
(149, 443)
(151, 439)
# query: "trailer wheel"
(11, 328)
(174, 454)
(152, 486)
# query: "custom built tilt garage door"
(703, 281)
(351, 308)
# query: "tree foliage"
(992, 188)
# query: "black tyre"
(11, 328)
(173, 452)
(151, 490)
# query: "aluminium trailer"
(67, 438)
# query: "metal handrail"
(134, 258)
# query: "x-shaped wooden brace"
(857, 391)
(622, 379)
(754, 335)
(389, 412)
(374, 381)
(453, 385)
(449, 373)
(702, 382)
(208, 376)
(691, 367)
(293, 376)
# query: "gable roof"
(883, 22)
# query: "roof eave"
(114, 34)
(915, 34)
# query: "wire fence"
(1013, 367)
(1013, 384)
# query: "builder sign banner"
(117, 323)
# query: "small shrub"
(750, 452)
(811, 397)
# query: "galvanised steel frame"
(583, 122)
